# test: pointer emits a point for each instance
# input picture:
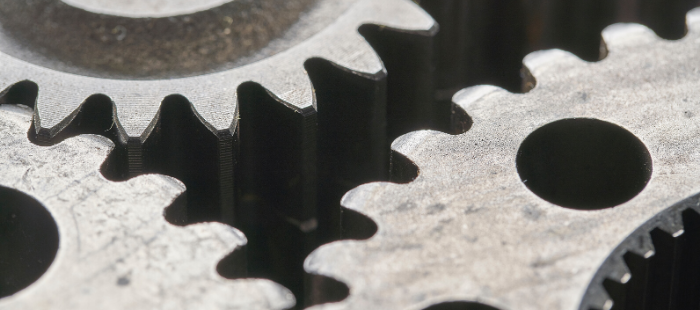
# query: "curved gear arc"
(655, 265)
(213, 96)
(467, 228)
(113, 238)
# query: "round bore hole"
(460, 305)
(584, 163)
(28, 241)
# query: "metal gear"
(111, 238)
(138, 66)
(220, 96)
(521, 210)
(656, 266)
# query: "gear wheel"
(142, 68)
(522, 209)
(268, 111)
(112, 238)
(656, 266)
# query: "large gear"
(213, 95)
(220, 96)
(113, 239)
(269, 110)
(74, 57)
(614, 142)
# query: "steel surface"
(469, 229)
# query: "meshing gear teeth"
(468, 228)
(655, 267)
(143, 66)
(214, 95)
(222, 99)
(113, 238)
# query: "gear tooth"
(295, 90)
(408, 144)
(693, 20)
(357, 198)
(137, 114)
(671, 223)
(232, 238)
(352, 52)
(317, 263)
(622, 36)
(618, 272)
(598, 295)
(400, 14)
(540, 63)
(597, 298)
(642, 246)
(470, 95)
(276, 295)
(216, 111)
(55, 108)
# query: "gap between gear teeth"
(478, 234)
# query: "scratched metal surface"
(116, 250)
(468, 229)
(213, 95)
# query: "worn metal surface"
(145, 8)
(654, 267)
(116, 250)
(213, 95)
(468, 228)
(127, 77)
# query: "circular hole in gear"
(28, 241)
(145, 8)
(460, 305)
(141, 39)
(584, 163)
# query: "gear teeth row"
(484, 43)
(621, 37)
(214, 95)
(655, 265)
(269, 147)
(459, 192)
(111, 238)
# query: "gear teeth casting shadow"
(113, 239)
(470, 227)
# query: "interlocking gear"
(468, 228)
(655, 267)
(213, 95)
(113, 238)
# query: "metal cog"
(139, 64)
(222, 99)
(483, 220)
(653, 267)
(213, 95)
(113, 239)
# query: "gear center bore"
(584, 163)
(68, 38)
(28, 240)
(145, 8)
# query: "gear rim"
(444, 159)
(113, 244)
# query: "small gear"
(519, 211)
(113, 239)
(654, 267)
